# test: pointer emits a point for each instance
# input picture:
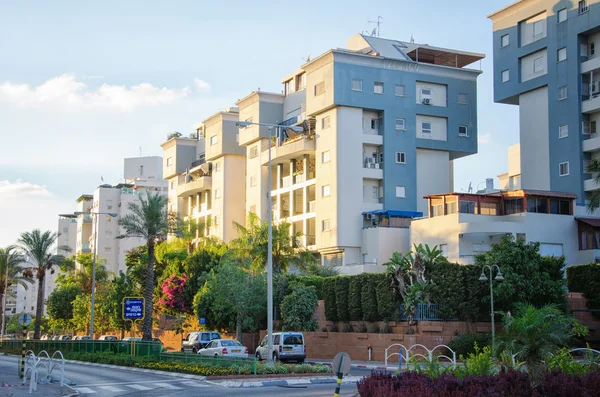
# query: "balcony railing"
(372, 162)
(197, 163)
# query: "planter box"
(432, 328)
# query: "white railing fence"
(405, 354)
(33, 363)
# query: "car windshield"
(292, 339)
(230, 343)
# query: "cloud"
(21, 189)
(202, 85)
(65, 90)
(484, 139)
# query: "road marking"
(194, 384)
(139, 387)
(168, 386)
(110, 388)
(85, 390)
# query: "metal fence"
(139, 348)
(425, 312)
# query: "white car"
(224, 348)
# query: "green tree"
(39, 247)
(288, 249)
(77, 270)
(528, 277)
(121, 286)
(13, 326)
(297, 309)
(10, 264)
(532, 334)
(235, 296)
(60, 303)
(147, 219)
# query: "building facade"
(546, 61)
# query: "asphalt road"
(107, 382)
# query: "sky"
(85, 84)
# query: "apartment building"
(382, 122)
(206, 176)
(140, 175)
(546, 61)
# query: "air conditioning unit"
(377, 166)
(372, 165)
(426, 101)
(596, 87)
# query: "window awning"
(594, 222)
(395, 213)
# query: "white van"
(287, 346)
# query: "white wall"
(379, 243)
(366, 122)
(439, 128)
(143, 167)
(432, 175)
(534, 137)
(527, 65)
(320, 71)
(439, 95)
(526, 29)
(368, 189)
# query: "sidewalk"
(10, 386)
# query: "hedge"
(586, 279)
(369, 297)
(341, 297)
(355, 299)
(463, 345)
(329, 286)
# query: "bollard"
(339, 384)
(23, 347)
(370, 348)
(400, 360)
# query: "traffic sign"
(25, 319)
(341, 363)
(133, 308)
(202, 321)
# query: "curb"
(141, 370)
(361, 366)
(283, 382)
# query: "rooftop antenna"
(377, 30)
(307, 59)
(140, 149)
(412, 39)
(470, 188)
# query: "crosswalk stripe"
(168, 386)
(110, 388)
(194, 384)
(85, 390)
(139, 387)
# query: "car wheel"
(258, 357)
(182, 350)
(275, 358)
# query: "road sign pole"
(341, 363)
(339, 379)
(23, 347)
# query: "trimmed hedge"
(329, 289)
(586, 279)
(341, 297)
(355, 299)
(369, 297)
(463, 345)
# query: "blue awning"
(396, 213)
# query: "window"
(563, 131)
(400, 124)
(325, 122)
(301, 82)
(217, 193)
(561, 93)
(320, 88)
(374, 124)
(325, 157)
(378, 87)
(326, 225)
(513, 206)
(592, 46)
(583, 6)
(400, 158)
(463, 130)
(563, 169)
(287, 87)
(467, 207)
(217, 166)
(172, 185)
(560, 207)
(375, 192)
(505, 76)
(399, 90)
(217, 219)
(401, 191)
(462, 98)
(486, 208)
(593, 127)
(254, 151)
(538, 65)
(538, 28)
(426, 127)
(326, 190)
(253, 180)
(170, 161)
(562, 54)
(213, 140)
(504, 40)
(356, 85)
(562, 15)
(539, 205)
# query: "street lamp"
(499, 277)
(244, 124)
(94, 263)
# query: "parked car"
(108, 338)
(197, 340)
(287, 346)
(46, 337)
(225, 348)
(64, 338)
(82, 337)
(56, 337)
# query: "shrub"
(464, 345)
(333, 328)
(362, 328)
(388, 302)
(586, 279)
(309, 281)
(347, 328)
(341, 298)
(480, 363)
(386, 329)
(354, 301)
(374, 328)
(329, 299)
(369, 297)
(298, 308)
(448, 289)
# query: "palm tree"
(594, 169)
(10, 265)
(147, 219)
(288, 249)
(38, 247)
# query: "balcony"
(591, 65)
(194, 187)
(592, 144)
(371, 139)
(591, 105)
(590, 185)
(372, 169)
(292, 148)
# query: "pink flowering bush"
(172, 299)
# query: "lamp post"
(4, 301)
(94, 262)
(271, 127)
(499, 277)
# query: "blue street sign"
(133, 308)
(202, 321)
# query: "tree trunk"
(148, 292)
(238, 328)
(40, 302)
